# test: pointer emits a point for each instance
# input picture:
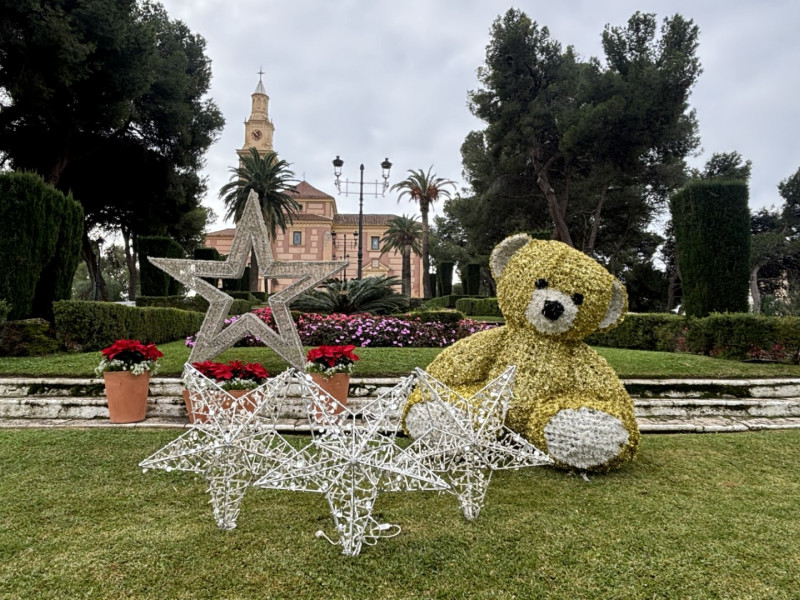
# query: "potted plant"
(234, 377)
(330, 368)
(126, 366)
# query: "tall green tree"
(403, 235)
(424, 189)
(270, 178)
(712, 238)
(579, 141)
(107, 99)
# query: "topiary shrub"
(238, 285)
(154, 281)
(472, 279)
(86, 326)
(443, 302)
(712, 240)
(444, 278)
(40, 237)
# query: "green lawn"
(711, 516)
(401, 361)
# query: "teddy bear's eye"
(577, 299)
(541, 284)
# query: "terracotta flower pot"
(127, 395)
(337, 386)
(201, 417)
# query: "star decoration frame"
(466, 440)
(251, 233)
(351, 458)
(236, 443)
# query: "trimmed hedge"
(742, 335)
(444, 278)
(644, 331)
(195, 303)
(438, 316)
(472, 279)
(481, 307)
(87, 326)
(443, 302)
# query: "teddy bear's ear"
(617, 307)
(503, 252)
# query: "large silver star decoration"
(353, 456)
(251, 233)
(236, 443)
(465, 440)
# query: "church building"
(319, 232)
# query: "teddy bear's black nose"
(552, 309)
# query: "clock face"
(256, 134)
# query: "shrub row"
(94, 325)
(738, 336)
(443, 301)
(195, 303)
(481, 307)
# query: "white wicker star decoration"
(465, 440)
(351, 458)
(251, 232)
(235, 444)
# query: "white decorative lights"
(465, 440)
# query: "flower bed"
(365, 330)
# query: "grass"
(711, 516)
(401, 361)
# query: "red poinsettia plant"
(129, 355)
(233, 375)
(330, 360)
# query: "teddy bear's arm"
(469, 360)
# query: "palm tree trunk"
(426, 261)
(406, 273)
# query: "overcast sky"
(370, 79)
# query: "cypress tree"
(712, 239)
(154, 281)
(40, 237)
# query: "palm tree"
(270, 178)
(425, 189)
(403, 235)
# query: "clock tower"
(258, 129)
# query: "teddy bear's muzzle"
(553, 309)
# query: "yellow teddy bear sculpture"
(567, 400)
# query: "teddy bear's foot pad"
(584, 438)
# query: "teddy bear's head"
(555, 289)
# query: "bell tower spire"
(258, 129)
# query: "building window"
(374, 243)
(297, 238)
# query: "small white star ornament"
(352, 456)
(233, 443)
(465, 440)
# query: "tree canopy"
(587, 149)
(107, 99)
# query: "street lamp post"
(386, 166)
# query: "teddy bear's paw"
(585, 438)
(422, 416)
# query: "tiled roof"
(229, 232)
(369, 220)
(305, 190)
